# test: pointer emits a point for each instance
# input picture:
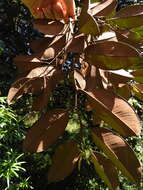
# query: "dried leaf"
(119, 152)
(64, 161)
(48, 27)
(106, 170)
(115, 111)
(46, 131)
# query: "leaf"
(46, 131)
(129, 37)
(138, 75)
(50, 85)
(25, 85)
(54, 48)
(138, 91)
(104, 8)
(119, 152)
(128, 17)
(41, 44)
(77, 44)
(79, 80)
(64, 161)
(41, 71)
(87, 23)
(106, 170)
(25, 63)
(115, 111)
(124, 91)
(48, 27)
(113, 55)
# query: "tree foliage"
(99, 57)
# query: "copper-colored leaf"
(46, 131)
(115, 111)
(106, 170)
(128, 17)
(104, 8)
(79, 80)
(138, 75)
(25, 63)
(130, 37)
(40, 44)
(49, 86)
(48, 27)
(64, 161)
(113, 55)
(119, 152)
(54, 48)
(25, 85)
(77, 44)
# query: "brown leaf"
(40, 44)
(115, 111)
(64, 161)
(119, 152)
(54, 48)
(46, 131)
(79, 80)
(129, 37)
(77, 44)
(25, 63)
(104, 8)
(128, 17)
(112, 55)
(25, 85)
(106, 170)
(48, 27)
(50, 85)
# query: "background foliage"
(17, 170)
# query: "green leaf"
(87, 23)
(106, 170)
(64, 161)
(46, 131)
(115, 111)
(129, 17)
(119, 152)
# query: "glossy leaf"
(106, 170)
(119, 152)
(64, 161)
(104, 8)
(87, 23)
(49, 85)
(25, 85)
(113, 55)
(79, 80)
(48, 27)
(25, 63)
(129, 17)
(46, 131)
(115, 111)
